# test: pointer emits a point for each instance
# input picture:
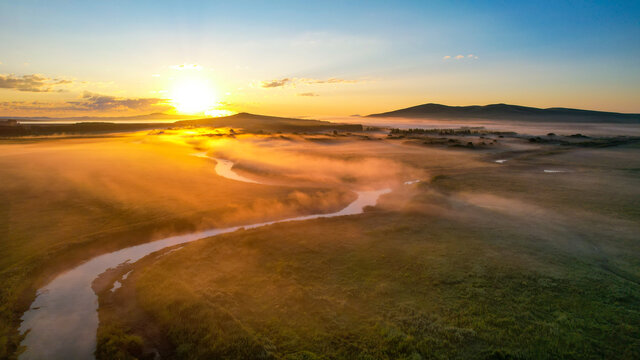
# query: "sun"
(193, 96)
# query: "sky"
(308, 58)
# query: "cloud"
(31, 83)
(310, 94)
(91, 102)
(186, 67)
(294, 81)
(276, 83)
(460, 57)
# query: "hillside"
(509, 112)
(245, 121)
(253, 122)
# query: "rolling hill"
(253, 122)
(509, 112)
(247, 122)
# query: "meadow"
(531, 258)
(67, 199)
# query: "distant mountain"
(253, 122)
(508, 112)
(154, 116)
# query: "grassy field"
(480, 260)
(65, 200)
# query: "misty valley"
(319, 180)
(321, 241)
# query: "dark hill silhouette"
(509, 112)
(248, 122)
(253, 122)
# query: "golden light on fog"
(193, 96)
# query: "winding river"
(63, 319)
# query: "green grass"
(479, 260)
(330, 289)
(438, 272)
(66, 200)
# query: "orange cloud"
(90, 102)
(276, 83)
(293, 81)
(31, 83)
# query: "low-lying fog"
(521, 127)
(301, 160)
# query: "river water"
(63, 319)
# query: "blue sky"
(380, 55)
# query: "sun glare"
(218, 112)
(193, 96)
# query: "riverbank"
(71, 298)
(489, 261)
(471, 227)
(98, 195)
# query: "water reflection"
(63, 320)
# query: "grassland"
(480, 260)
(65, 200)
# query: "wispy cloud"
(460, 57)
(97, 102)
(91, 102)
(186, 67)
(32, 83)
(294, 81)
(309, 94)
(276, 83)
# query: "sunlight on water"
(223, 168)
(70, 300)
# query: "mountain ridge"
(503, 111)
(255, 122)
